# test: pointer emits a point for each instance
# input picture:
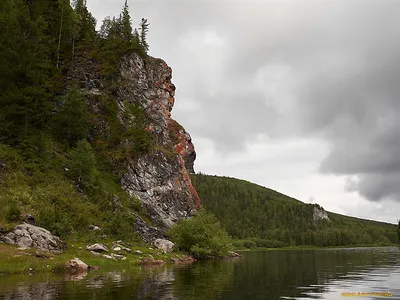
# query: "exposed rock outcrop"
(31, 236)
(148, 233)
(160, 177)
(319, 214)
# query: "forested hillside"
(55, 163)
(75, 120)
(88, 148)
(266, 218)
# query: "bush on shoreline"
(202, 236)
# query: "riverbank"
(312, 247)
(14, 260)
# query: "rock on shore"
(31, 236)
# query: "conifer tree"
(71, 121)
(126, 23)
(144, 28)
(25, 81)
(85, 25)
(136, 37)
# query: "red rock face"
(161, 178)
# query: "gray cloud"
(287, 69)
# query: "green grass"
(38, 184)
(14, 261)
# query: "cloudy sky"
(298, 96)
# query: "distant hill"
(266, 218)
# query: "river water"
(277, 274)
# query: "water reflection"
(306, 274)
(316, 274)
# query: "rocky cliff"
(319, 214)
(159, 176)
(160, 180)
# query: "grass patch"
(14, 261)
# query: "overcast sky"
(298, 96)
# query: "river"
(276, 274)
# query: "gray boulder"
(97, 248)
(164, 245)
(31, 236)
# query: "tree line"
(52, 164)
(265, 218)
(39, 41)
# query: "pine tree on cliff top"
(126, 23)
(85, 25)
(144, 28)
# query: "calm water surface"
(290, 274)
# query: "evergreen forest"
(256, 216)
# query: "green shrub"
(13, 213)
(238, 245)
(120, 225)
(140, 140)
(82, 166)
(262, 243)
(249, 244)
(202, 236)
(58, 224)
(244, 244)
(71, 122)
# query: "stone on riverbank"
(97, 248)
(31, 236)
(76, 266)
(165, 245)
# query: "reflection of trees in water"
(258, 275)
(200, 280)
(107, 285)
(204, 279)
(281, 273)
(33, 291)
(145, 283)
(158, 285)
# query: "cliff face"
(160, 179)
(160, 176)
(319, 214)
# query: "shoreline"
(14, 260)
(314, 247)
